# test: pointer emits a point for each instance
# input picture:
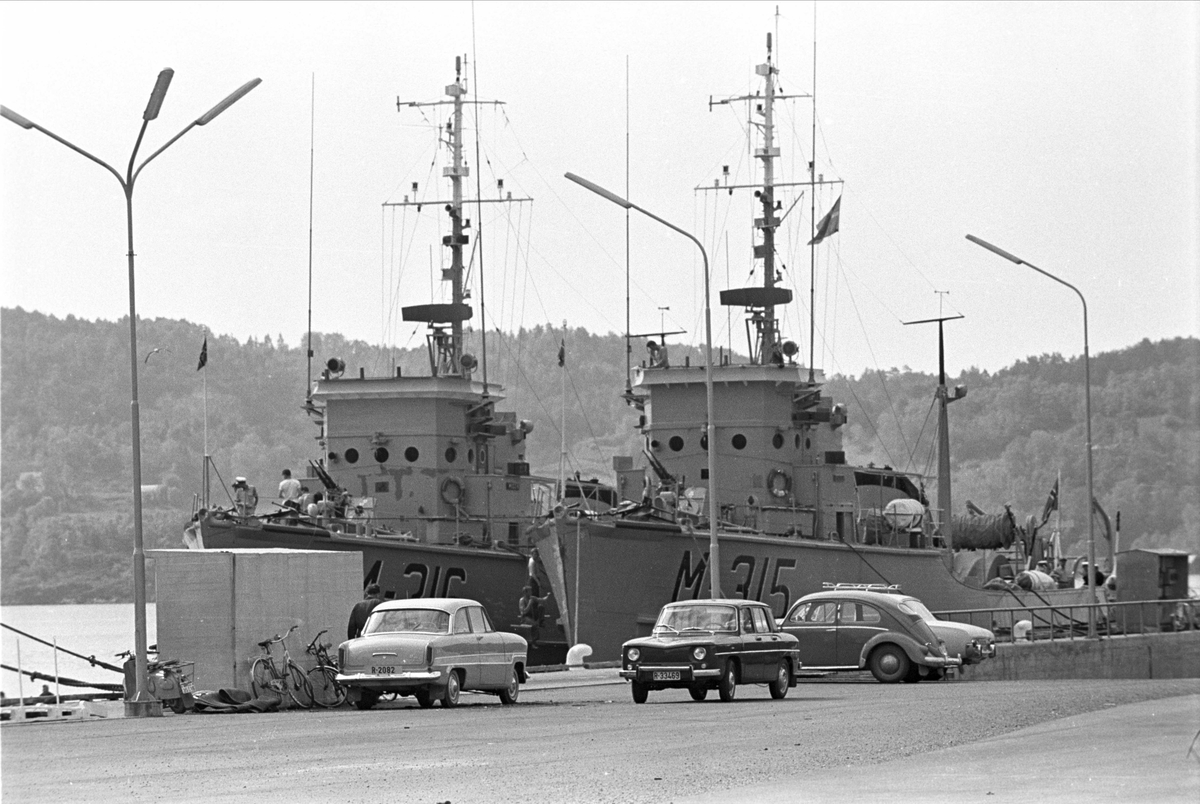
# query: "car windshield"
(915, 607)
(697, 618)
(417, 621)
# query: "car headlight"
(699, 653)
(634, 654)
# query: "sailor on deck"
(245, 497)
(658, 355)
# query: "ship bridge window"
(704, 442)
(351, 455)
(381, 454)
(739, 441)
(777, 441)
(411, 454)
(676, 443)
(451, 454)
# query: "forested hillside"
(65, 417)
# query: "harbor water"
(91, 629)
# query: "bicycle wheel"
(326, 691)
(298, 687)
(262, 672)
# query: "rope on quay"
(70, 682)
(90, 659)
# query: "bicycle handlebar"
(278, 637)
(313, 645)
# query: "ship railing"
(1069, 622)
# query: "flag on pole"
(562, 354)
(1051, 504)
(828, 224)
(1097, 511)
(203, 355)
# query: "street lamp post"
(710, 430)
(142, 704)
(1087, 407)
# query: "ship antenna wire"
(812, 220)
(312, 138)
(479, 210)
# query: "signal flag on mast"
(828, 224)
(203, 355)
(562, 354)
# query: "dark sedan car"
(699, 645)
(847, 628)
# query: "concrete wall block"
(214, 606)
(194, 612)
(1175, 655)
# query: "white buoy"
(577, 654)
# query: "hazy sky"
(1064, 133)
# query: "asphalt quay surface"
(1148, 751)
(577, 738)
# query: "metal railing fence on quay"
(1050, 622)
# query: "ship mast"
(944, 398)
(760, 301)
(446, 320)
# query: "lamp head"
(600, 191)
(995, 250)
(159, 93)
(225, 104)
(9, 114)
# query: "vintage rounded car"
(432, 649)
(700, 645)
(857, 627)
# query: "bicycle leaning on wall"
(327, 692)
(266, 675)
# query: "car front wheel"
(450, 694)
(779, 685)
(728, 686)
(889, 664)
(509, 694)
(640, 692)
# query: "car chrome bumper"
(942, 661)
(687, 673)
(367, 679)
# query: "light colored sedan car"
(969, 642)
(432, 649)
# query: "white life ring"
(779, 483)
(452, 490)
